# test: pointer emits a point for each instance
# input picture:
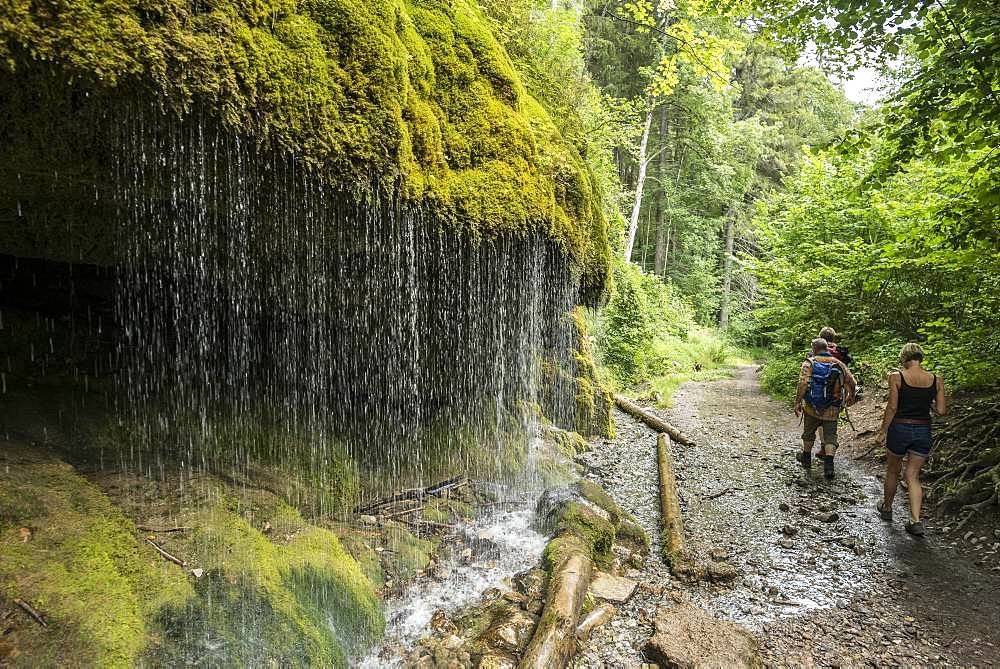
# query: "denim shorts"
(903, 437)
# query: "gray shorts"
(811, 424)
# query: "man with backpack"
(825, 387)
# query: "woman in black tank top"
(906, 430)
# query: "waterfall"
(274, 320)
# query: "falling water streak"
(356, 343)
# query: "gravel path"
(837, 587)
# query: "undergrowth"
(649, 341)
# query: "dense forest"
(316, 313)
(749, 194)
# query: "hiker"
(825, 387)
(906, 429)
(839, 352)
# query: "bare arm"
(940, 403)
(891, 405)
(800, 391)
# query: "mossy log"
(651, 420)
(554, 641)
(670, 507)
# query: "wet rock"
(789, 531)
(513, 633)
(688, 637)
(786, 544)
(718, 554)
(497, 661)
(515, 597)
(441, 625)
(531, 583)
(848, 542)
(491, 595)
(784, 507)
(831, 517)
(721, 572)
(613, 588)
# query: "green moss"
(273, 589)
(559, 549)
(83, 567)
(598, 532)
(630, 533)
(297, 598)
(417, 91)
(596, 495)
(361, 546)
(404, 553)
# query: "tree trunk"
(660, 259)
(639, 185)
(727, 281)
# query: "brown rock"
(512, 634)
(720, 572)
(496, 661)
(613, 588)
(687, 638)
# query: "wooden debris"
(554, 641)
(435, 490)
(670, 506)
(35, 615)
(651, 420)
(599, 616)
(724, 491)
(165, 554)
(162, 530)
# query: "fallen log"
(652, 420)
(35, 615)
(553, 644)
(594, 619)
(162, 530)
(670, 506)
(167, 556)
(412, 493)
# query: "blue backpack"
(823, 385)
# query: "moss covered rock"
(260, 585)
(417, 91)
(67, 551)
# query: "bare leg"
(913, 489)
(892, 466)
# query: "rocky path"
(824, 581)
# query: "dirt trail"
(839, 587)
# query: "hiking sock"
(828, 466)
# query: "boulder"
(687, 637)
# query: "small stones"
(787, 544)
(789, 531)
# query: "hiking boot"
(805, 458)
(828, 466)
(886, 515)
(916, 528)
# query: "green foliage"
(648, 332)
(871, 260)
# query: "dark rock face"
(687, 637)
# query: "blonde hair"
(910, 352)
(828, 334)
